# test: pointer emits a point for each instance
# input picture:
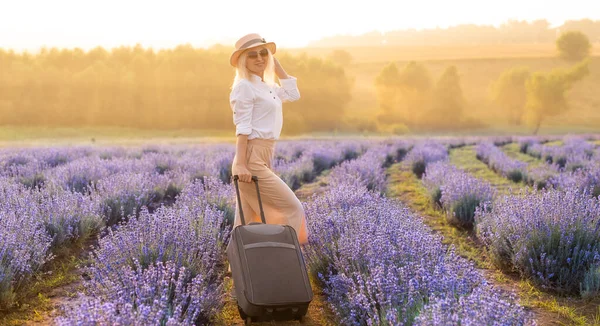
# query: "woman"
(256, 101)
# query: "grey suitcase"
(268, 270)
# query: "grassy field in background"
(14, 136)
(478, 66)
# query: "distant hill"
(389, 53)
(513, 31)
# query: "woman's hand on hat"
(279, 71)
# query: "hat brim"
(233, 60)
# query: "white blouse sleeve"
(242, 103)
(288, 91)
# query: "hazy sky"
(30, 24)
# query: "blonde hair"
(242, 72)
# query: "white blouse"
(257, 109)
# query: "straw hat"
(247, 42)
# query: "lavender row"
(380, 265)
(457, 192)
(575, 153)
(367, 171)
(575, 165)
(550, 176)
(33, 225)
(80, 168)
(424, 153)
(161, 268)
(314, 158)
(551, 237)
(510, 168)
(584, 180)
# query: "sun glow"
(110, 23)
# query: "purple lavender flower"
(484, 306)
(378, 262)
(525, 143)
(296, 172)
(434, 178)
(367, 170)
(551, 237)
(457, 192)
(541, 176)
(124, 194)
(461, 195)
(583, 180)
(498, 161)
(160, 267)
(161, 294)
(24, 243)
(424, 153)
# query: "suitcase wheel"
(301, 319)
(248, 321)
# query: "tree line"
(410, 100)
(187, 87)
(139, 87)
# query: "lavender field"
(156, 220)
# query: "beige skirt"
(280, 204)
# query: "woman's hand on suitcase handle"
(243, 173)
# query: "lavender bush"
(24, 243)
(367, 171)
(574, 154)
(162, 294)
(434, 178)
(206, 161)
(484, 306)
(315, 158)
(526, 142)
(540, 177)
(366, 262)
(397, 152)
(296, 172)
(209, 192)
(124, 194)
(66, 216)
(499, 162)
(52, 197)
(181, 247)
(424, 153)
(289, 151)
(551, 237)
(23, 166)
(459, 192)
(584, 180)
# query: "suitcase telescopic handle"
(237, 190)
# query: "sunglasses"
(263, 53)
